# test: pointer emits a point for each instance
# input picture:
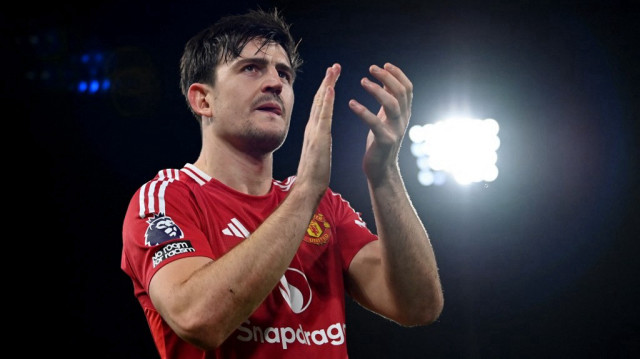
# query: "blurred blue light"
(82, 86)
(94, 87)
(90, 71)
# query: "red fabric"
(186, 213)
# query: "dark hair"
(225, 40)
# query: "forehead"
(257, 48)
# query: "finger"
(336, 69)
(403, 79)
(316, 106)
(400, 76)
(330, 79)
(326, 114)
(388, 100)
(326, 110)
(395, 82)
(375, 124)
(388, 80)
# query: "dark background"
(541, 263)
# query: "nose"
(272, 82)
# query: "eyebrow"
(264, 62)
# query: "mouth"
(272, 107)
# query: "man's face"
(253, 98)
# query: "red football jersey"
(182, 213)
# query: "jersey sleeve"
(162, 224)
(351, 229)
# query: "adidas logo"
(235, 228)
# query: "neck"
(247, 173)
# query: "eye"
(249, 68)
(285, 75)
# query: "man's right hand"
(314, 169)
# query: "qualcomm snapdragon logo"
(334, 334)
(295, 290)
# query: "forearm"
(408, 261)
(209, 305)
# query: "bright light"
(94, 86)
(464, 148)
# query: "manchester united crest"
(318, 232)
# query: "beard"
(259, 141)
(265, 141)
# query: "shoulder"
(284, 185)
(168, 184)
(336, 198)
(186, 176)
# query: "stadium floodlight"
(463, 148)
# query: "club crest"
(318, 232)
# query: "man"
(228, 262)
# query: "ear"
(199, 96)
